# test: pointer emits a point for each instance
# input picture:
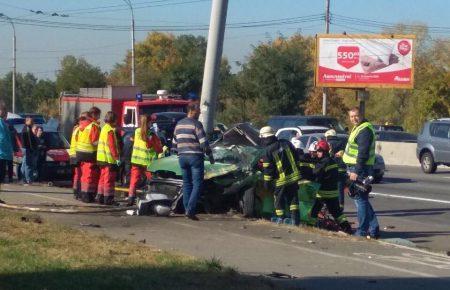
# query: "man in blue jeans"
(359, 155)
(191, 144)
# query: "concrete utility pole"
(14, 62)
(128, 2)
(212, 63)
(327, 30)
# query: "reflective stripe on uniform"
(293, 207)
(282, 178)
(332, 166)
(327, 193)
(279, 212)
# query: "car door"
(440, 135)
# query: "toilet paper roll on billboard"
(365, 61)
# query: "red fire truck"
(126, 101)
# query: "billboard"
(365, 61)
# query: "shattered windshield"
(243, 156)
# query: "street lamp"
(14, 62)
(128, 2)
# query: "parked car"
(388, 128)
(433, 145)
(278, 122)
(307, 139)
(395, 136)
(57, 165)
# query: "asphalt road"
(410, 205)
(414, 206)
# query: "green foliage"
(165, 61)
(76, 73)
(274, 81)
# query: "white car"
(293, 134)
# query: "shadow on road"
(408, 212)
(411, 235)
(145, 277)
(395, 180)
(368, 283)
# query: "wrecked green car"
(234, 181)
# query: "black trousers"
(286, 195)
(332, 206)
(3, 164)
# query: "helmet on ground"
(323, 146)
(312, 147)
(266, 131)
(330, 132)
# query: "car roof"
(323, 135)
(302, 117)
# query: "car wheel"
(248, 203)
(427, 163)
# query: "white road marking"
(410, 197)
(448, 177)
(320, 252)
(44, 196)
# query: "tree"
(76, 73)
(275, 80)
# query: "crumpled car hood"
(236, 150)
(170, 164)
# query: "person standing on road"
(191, 144)
(6, 148)
(146, 147)
(281, 175)
(76, 184)
(29, 159)
(326, 174)
(359, 156)
(108, 159)
(41, 153)
(337, 148)
(16, 148)
(86, 153)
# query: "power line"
(112, 27)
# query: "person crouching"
(326, 173)
(108, 159)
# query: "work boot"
(91, 197)
(84, 196)
(109, 200)
(100, 199)
(76, 194)
(295, 217)
(131, 200)
(346, 227)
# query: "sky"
(40, 49)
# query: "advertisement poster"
(365, 61)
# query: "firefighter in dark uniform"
(281, 175)
(326, 173)
(337, 148)
(307, 163)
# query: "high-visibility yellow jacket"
(104, 154)
(73, 142)
(141, 155)
(351, 150)
(86, 149)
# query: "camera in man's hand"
(359, 187)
